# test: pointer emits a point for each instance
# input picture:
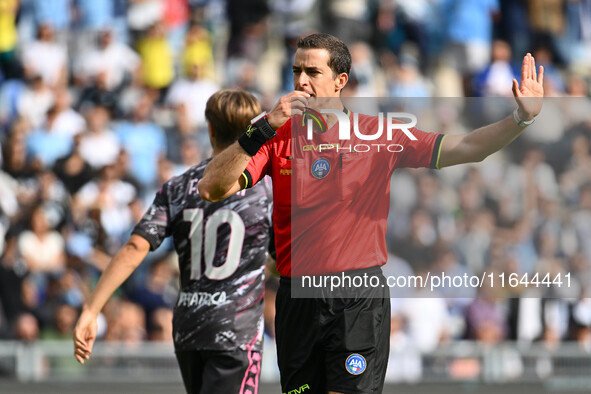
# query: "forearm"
(480, 143)
(492, 138)
(119, 269)
(223, 175)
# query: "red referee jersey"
(331, 197)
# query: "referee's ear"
(340, 81)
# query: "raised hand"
(529, 93)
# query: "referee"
(336, 343)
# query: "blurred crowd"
(102, 101)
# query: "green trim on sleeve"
(439, 153)
(245, 181)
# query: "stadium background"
(101, 101)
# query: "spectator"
(406, 79)
(12, 274)
(42, 248)
(141, 14)
(47, 145)
(110, 196)
(64, 320)
(67, 121)
(485, 320)
(73, 170)
(126, 322)
(247, 28)
(17, 162)
(26, 328)
(547, 19)
(582, 219)
(118, 62)
(348, 19)
(99, 146)
(198, 52)
(157, 60)
(469, 34)
(144, 140)
(9, 66)
(35, 101)
(46, 57)
(188, 97)
(98, 94)
(493, 80)
(190, 153)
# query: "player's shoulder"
(189, 177)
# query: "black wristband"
(256, 135)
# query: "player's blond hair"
(229, 112)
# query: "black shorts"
(333, 344)
(223, 372)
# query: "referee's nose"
(302, 80)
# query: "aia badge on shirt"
(355, 364)
(320, 168)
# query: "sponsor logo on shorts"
(355, 364)
(298, 390)
(320, 168)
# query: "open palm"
(530, 92)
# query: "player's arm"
(119, 269)
(223, 175)
(477, 145)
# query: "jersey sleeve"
(422, 152)
(155, 224)
(259, 165)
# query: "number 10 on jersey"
(209, 239)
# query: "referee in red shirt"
(337, 342)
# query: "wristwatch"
(520, 122)
(262, 124)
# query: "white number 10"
(195, 216)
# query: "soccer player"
(222, 248)
(339, 343)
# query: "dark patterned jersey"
(222, 249)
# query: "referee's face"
(311, 74)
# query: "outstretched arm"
(223, 175)
(123, 264)
(477, 145)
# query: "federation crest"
(355, 364)
(320, 168)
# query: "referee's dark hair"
(339, 57)
(229, 112)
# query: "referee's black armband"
(259, 132)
